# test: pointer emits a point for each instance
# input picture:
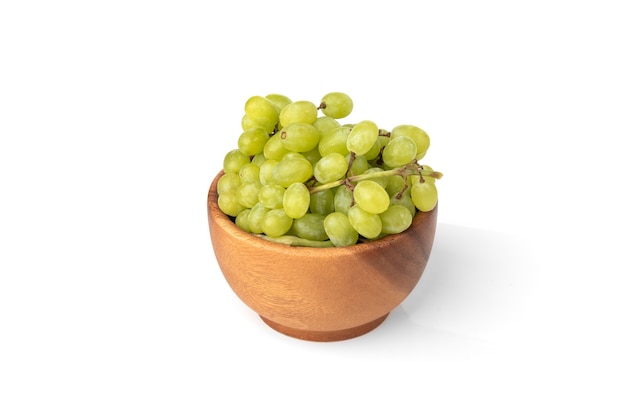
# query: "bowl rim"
(226, 223)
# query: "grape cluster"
(301, 177)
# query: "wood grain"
(321, 294)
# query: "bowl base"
(325, 336)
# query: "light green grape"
(395, 184)
(261, 111)
(418, 135)
(399, 151)
(274, 149)
(374, 151)
(276, 223)
(279, 100)
(336, 105)
(266, 172)
(383, 180)
(249, 173)
(228, 182)
(292, 170)
(259, 159)
(255, 218)
(310, 226)
(334, 141)
(302, 111)
(248, 194)
(313, 155)
(339, 230)
(252, 141)
(299, 137)
(234, 160)
(296, 200)
(395, 219)
(404, 200)
(359, 164)
(271, 196)
(325, 124)
(424, 195)
(343, 199)
(323, 202)
(362, 136)
(229, 204)
(365, 223)
(242, 220)
(331, 167)
(371, 196)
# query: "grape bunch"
(301, 177)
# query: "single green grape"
(229, 204)
(336, 105)
(292, 170)
(259, 159)
(299, 137)
(248, 194)
(274, 149)
(343, 199)
(310, 226)
(339, 230)
(330, 168)
(252, 141)
(266, 172)
(323, 202)
(396, 219)
(395, 184)
(371, 196)
(234, 160)
(242, 220)
(279, 101)
(382, 180)
(334, 141)
(255, 218)
(374, 151)
(228, 182)
(404, 200)
(296, 200)
(325, 124)
(249, 173)
(302, 111)
(418, 135)
(399, 151)
(362, 136)
(359, 164)
(271, 196)
(365, 223)
(276, 223)
(261, 111)
(424, 195)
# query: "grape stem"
(413, 168)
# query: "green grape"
(310, 226)
(395, 219)
(313, 155)
(292, 170)
(266, 171)
(296, 200)
(323, 202)
(252, 141)
(279, 100)
(249, 173)
(299, 111)
(383, 180)
(276, 223)
(336, 105)
(359, 164)
(248, 194)
(325, 124)
(365, 223)
(383, 137)
(362, 137)
(234, 160)
(418, 135)
(343, 199)
(374, 151)
(228, 182)
(242, 220)
(274, 149)
(424, 195)
(334, 141)
(261, 111)
(271, 196)
(399, 151)
(404, 200)
(259, 159)
(339, 230)
(371, 196)
(299, 137)
(395, 184)
(229, 204)
(331, 167)
(255, 218)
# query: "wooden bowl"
(320, 294)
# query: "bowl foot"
(325, 336)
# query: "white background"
(115, 116)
